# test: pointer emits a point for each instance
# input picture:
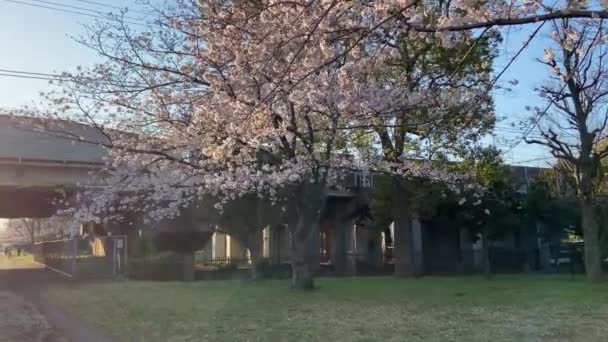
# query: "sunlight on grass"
(509, 308)
(17, 259)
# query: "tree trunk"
(375, 250)
(402, 252)
(188, 266)
(254, 245)
(302, 275)
(302, 259)
(485, 253)
(593, 259)
(304, 212)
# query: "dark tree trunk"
(402, 252)
(302, 275)
(375, 250)
(485, 252)
(188, 266)
(254, 245)
(302, 241)
(590, 225)
(593, 260)
(305, 210)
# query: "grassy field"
(25, 257)
(506, 308)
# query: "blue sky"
(38, 40)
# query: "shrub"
(158, 266)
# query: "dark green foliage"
(181, 241)
(157, 266)
(424, 196)
(142, 246)
(249, 211)
(495, 211)
(381, 215)
(557, 214)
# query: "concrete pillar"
(266, 243)
(219, 246)
(351, 249)
(342, 249)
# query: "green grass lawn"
(506, 308)
(25, 257)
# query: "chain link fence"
(85, 257)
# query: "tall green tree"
(489, 214)
(423, 133)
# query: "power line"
(524, 133)
(56, 77)
(31, 77)
(33, 73)
(532, 160)
(82, 9)
(523, 47)
(111, 6)
(72, 12)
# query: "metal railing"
(233, 262)
(89, 257)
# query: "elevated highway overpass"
(38, 157)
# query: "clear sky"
(38, 39)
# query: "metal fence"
(85, 257)
(232, 262)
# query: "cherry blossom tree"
(232, 98)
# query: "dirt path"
(30, 315)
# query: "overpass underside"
(28, 202)
(31, 188)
